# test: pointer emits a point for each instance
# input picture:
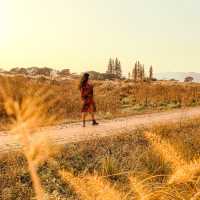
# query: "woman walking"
(87, 93)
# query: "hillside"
(177, 75)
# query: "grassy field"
(158, 163)
(113, 98)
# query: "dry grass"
(167, 151)
(137, 165)
(26, 114)
(92, 187)
(161, 163)
(113, 98)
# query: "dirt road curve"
(74, 132)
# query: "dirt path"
(74, 132)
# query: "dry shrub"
(108, 166)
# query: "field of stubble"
(158, 163)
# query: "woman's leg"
(83, 118)
(93, 116)
(93, 119)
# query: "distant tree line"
(114, 71)
(138, 73)
(188, 79)
(101, 76)
(114, 68)
(45, 71)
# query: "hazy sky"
(83, 34)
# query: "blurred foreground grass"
(158, 163)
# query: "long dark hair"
(84, 80)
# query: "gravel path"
(75, 132)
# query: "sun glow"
(78, 34)
(4, 22)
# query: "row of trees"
(138, 73)
(114, 67)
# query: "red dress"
(87, 98)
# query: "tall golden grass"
(182, 182)
(113, 98)
(92, 173)
(92, 187)
(167, 151)
(140, 183)
(26, 114)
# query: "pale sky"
(83, 34)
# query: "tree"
(110, 66)
(134, 72)
(114, 68)
(118, 70)
(138, 73)
(151, 73)
(129, 75)
(65, 72)
(138, 70)
(188, 79)
(142, 73)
